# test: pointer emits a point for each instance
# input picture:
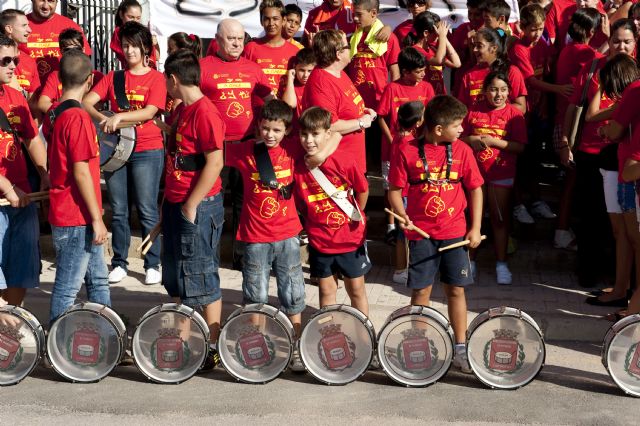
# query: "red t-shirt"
(43, 42)
(590, 142)
(199, 128)
(433, 73)
(299, 91)
(27, 73)
(403, 29)
(274, 61)
(116, 47)
(395, 94)
(343, 101)
(436, 209)
(12, 161)
(324, 17)
(460, 42)
(141, 90)
(507, 124)
(570, 62)
(397, 142)
(558, 21)
(330, 230)
(626, 115)
(73, 140)
(533, 60)
(370, 72)
(266, 216)
(230, 85)
(471, 88)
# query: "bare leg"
(357, 293)
(296, 320)
(421, 296)
(212, 314)
(500, 213)
(14, 296)
(328, 288)
(624, 259)
(457, 306)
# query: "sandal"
(596, 301)
(616, 316)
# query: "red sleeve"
(235, 152)
(467, 129)
(27, 129)
(97, 76)
(398, 168)
(384, 106)
(104, 87)
(81, 137)
(471, 178)
(550, 22)
(521, 58)
(393, 50)
(517, 127)
(518, 87)
(321, 95)
(158, 92)
(50, 88)
(627, 110)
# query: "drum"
(621, 354)
(115, 148)
(337, 344)
(415, 346)
(505, 348)
(255, 343)
(21, 344)
(87, 342)
(171, 343)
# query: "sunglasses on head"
(4, 62)
(416, 2)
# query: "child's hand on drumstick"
(17, 197)
(474, 237)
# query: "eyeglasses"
(4, 62)
(416, 2)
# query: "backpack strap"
(68, 104)
(119, 91)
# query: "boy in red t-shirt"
(495, 14)
(297, 77)
(192, 211)
(269, 223)
(334, 223)
(330, 15)
(75, 213)
(14, 24)
(441, 173)
(292, 23)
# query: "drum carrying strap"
(5, 125)
(265, 170)
(341, 198)
(68, 104)
(120, 91)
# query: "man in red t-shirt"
(46, 26)
(14, 24)
(76, 202)
(330, 15)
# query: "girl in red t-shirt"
(497, 132)
(405, 28)
(128, 10)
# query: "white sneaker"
(152, 276)
(542, 210)
(565, 240)
(474, 269)
(522, 215)
(375, 363)
(503, 274)
(401, 277)
(296, 364)
(461, 362)
(117, 275)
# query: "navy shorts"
(353, 264)
(425, 262)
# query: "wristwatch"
(361, 124)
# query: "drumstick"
(34, 196)
(460, 244)
(411, 228)
(146, 244)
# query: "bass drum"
(415, 346)
(337, 344)
(21, 344)
(171, 343)
(505, 348)
(255, 343)
(86, 342)
(115, 148)
(621, 354)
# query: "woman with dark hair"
(183, 40)
(127, 11)
(146, 93)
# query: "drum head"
(107, 141)
(415, 350)
(83, 346)
(336, 346)
(170, 346)
(506, 351)
(20, 344)
(623, 358)
(254, 347)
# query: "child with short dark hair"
(292, 22)
(440, 173)
(304, 63)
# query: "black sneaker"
(211, 361)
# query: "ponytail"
(425, 21)
(499, 40)
(584, 22)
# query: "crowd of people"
(299, 123)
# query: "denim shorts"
(425, 262)
(190, 255)
(284, 257)
(627, 196)
(19, 247)
(353, 264)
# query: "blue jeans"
(77, 260)
(19, 247)
(142, 175)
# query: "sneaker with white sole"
(117, 275)
(461, 362)
(522, 215)
(503, 274)
(564, 239)
(542, 210)
(152, 276)
(401, 277)
(375, 363)
(296, 364)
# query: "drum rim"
(350, 310)
(133, 140)
(615, 331)
(290, 337)
(122, 338)
(147, 316)
(383, 361)
(38, 333)
(528, 320)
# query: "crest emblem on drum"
(336, 350)
(503, 353)
(169, 352)
(253, 349)
(632, 361)
(10, 348)
(416, 352)
(85, 346)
